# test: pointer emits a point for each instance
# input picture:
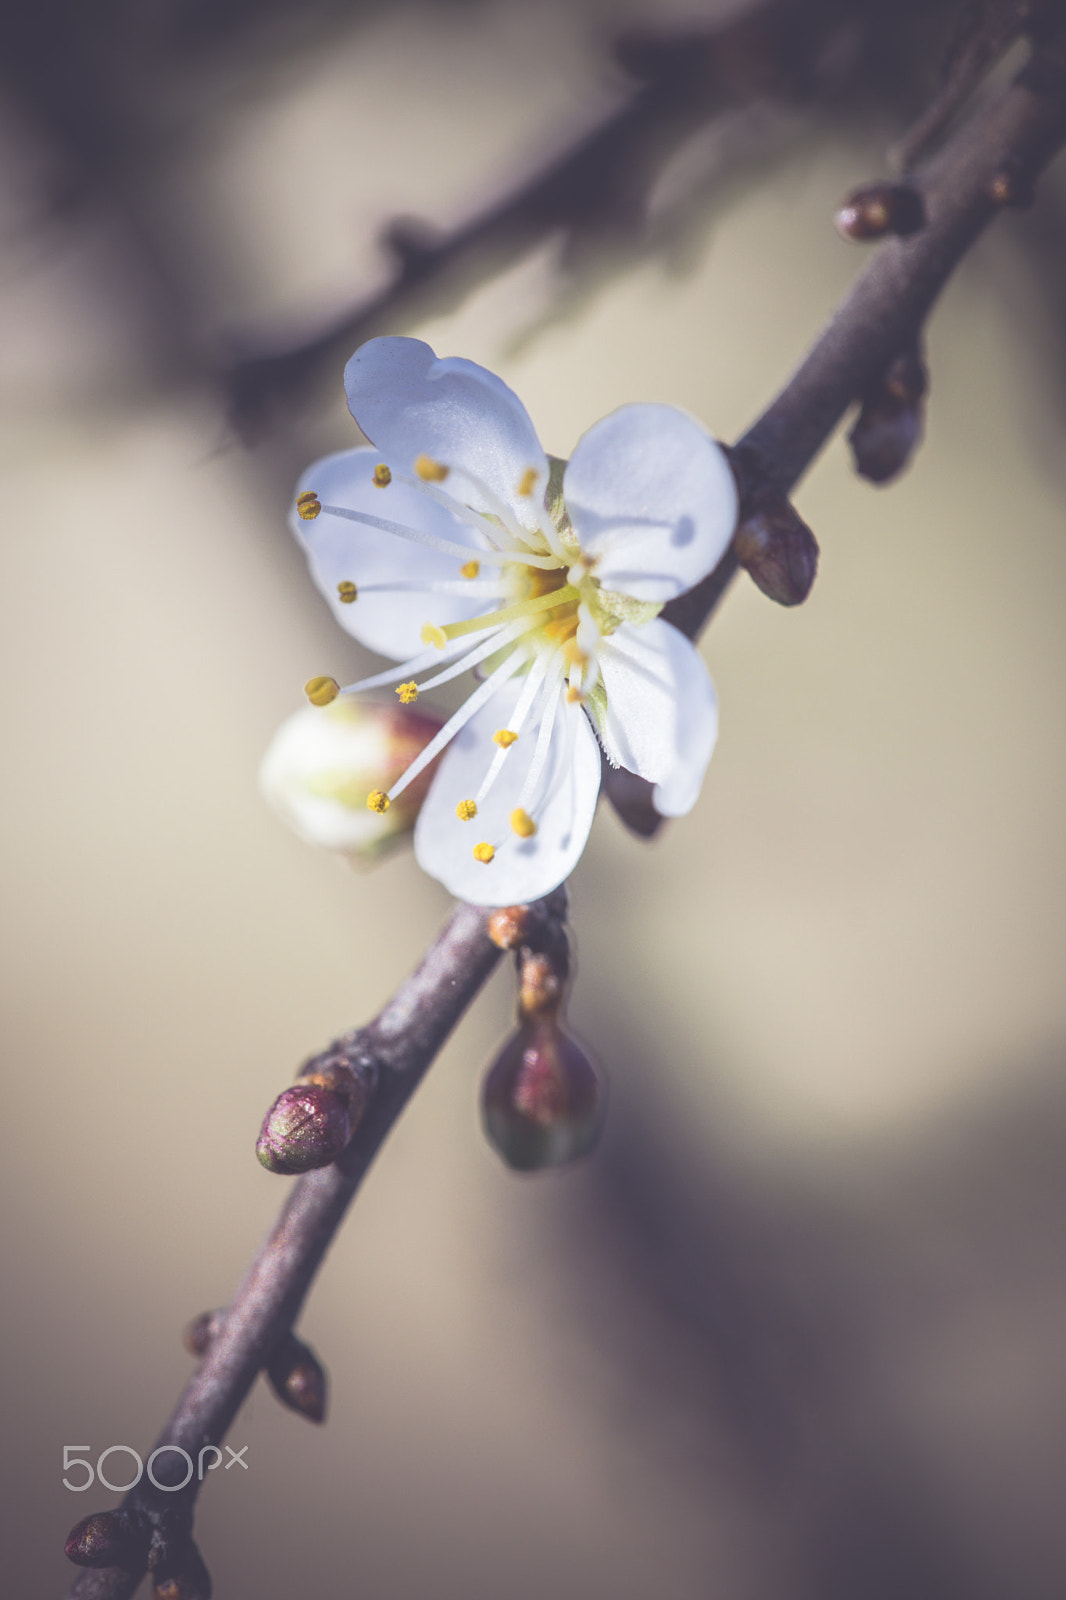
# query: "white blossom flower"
(454, 543)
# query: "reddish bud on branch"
(878, 209)
(543, 1101)
(108, 1539)
(298, 1378)
(776, 548)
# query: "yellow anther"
(504, 738)
(307, 505)
(466, 810)
(527, 482)
(322, 691)
(574, 696)
(347, 592)
(431, 471)
(484, 853)
(377, 800)
(470, 569)
(382, 476)
(408, 692)
(431, 634)
(523, 824)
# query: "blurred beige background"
(802, 1317)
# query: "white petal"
(389, 622)
(410, 404)
(652, 497)
(662, 715)
(523, 869)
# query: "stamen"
(488, 647)
(483, 693)
(521, 608)
(322, 691)
(470, 569)
(347, 592)
(530, 690)
(382, 476)
(308, 505)
(408, 693)
(504, 737)
(523, 823)
(550, 699)
(432, 471)
(483, 852)
(433, 635)
(466, 810)
(448, 547)
(499, 508)
(377, 800)
(406, 669)
(527, 483)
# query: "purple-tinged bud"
(885, 435)
(198, 1334)
(542, 1101)
(298, 1379)
(108, 1539)
(179, 1573)
(880, 208)
(307, 1126)
(776, 548)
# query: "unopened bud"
(202, 1331)
(543, 1101)
(298, 1379)
(776, 548)
(877, 209)
(323, 764)
(307, 1126)
(108, 1539)
(338, 1075)
(885, 435)
(180, 1574)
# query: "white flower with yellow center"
(454, 543)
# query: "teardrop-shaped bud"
(543, 1100)
(298, 1379)
(108, 1539)
(307, 1126)
(776, 548)
(885, 435)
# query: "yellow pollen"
(377, 800)
(322, 691)
(484, 853)
(527, 482)
(504, 737)
(523, 824)
(408, 692)
(466, 810)
(347, 592)
(429, 470)
(382, 476)
(470, 569)
(307, 505)
(574, 696)
(431, 634)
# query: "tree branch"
(1014, 136)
